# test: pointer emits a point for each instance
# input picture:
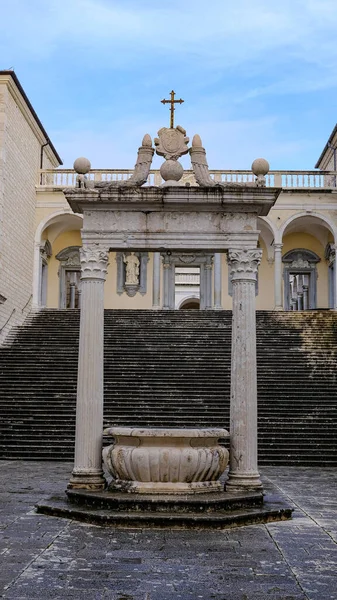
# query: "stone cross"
(172, 101)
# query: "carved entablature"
(243, 264)
(300, 259)
(187, 259)
(94, 261)
(182, 259)
(70, 257)
(132, 273)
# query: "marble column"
(168, 282)
(208, 282)
(156, 281)
(87, 472)
(278, 276)
(217, 281)
(243, 473)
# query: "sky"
(258, 78)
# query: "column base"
(278, 308)
(86, 480)
(238, 482)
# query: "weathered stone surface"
(87, 470)
(44, 557)
(166, 461)
(243, 474)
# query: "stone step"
(180, 365)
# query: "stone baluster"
(156, 281)
(243, 474)
(217, 281)
(278, 276)
(87, 472)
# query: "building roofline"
(326, 147)
(36, 118)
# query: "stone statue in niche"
(132, 269)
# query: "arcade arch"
(309, 280)
(190, 303)
(56, 232)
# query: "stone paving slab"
(47, 557)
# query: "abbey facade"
(40, 236)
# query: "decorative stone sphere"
(171, 170)
(82, 165)
(166, 460)
(260, 166)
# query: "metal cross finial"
(172, 109)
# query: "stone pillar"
(87, 471)
(156, 281)
(208, 282)
(243, 473)
(217, 281)
(169, 284)
(278, 276)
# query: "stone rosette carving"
(166, 461)
(94, 261)
(243, 264)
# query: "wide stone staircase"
(172, 368)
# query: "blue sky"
(259, 78)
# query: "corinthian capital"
(94, 261)
(243, 264)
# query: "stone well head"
(165, 460)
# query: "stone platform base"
(139, 510)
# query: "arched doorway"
(305, 238)
(63, 225)
(190, 304)
(300, 276)
(69, 277)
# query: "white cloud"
(226, 59)
(219, 34)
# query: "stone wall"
(20, 152)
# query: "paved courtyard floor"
(46, 557)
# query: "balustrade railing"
(63, 178)
(187, 279)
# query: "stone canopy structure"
(128, 216)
